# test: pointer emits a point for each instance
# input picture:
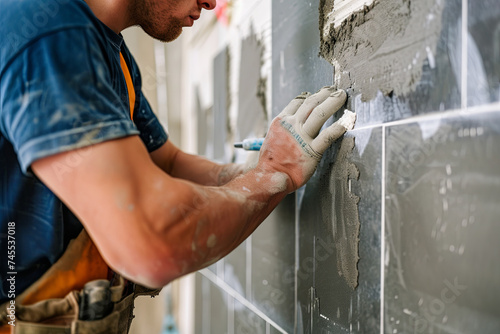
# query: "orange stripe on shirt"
(130, 86)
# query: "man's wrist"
(228, 172)
(278, 181)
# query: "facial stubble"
(156, 23)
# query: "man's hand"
(293, 144)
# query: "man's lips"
(191, 18)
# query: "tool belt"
(51, 305)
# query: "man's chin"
(165, 36)
(170, 36)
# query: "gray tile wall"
(429, 188)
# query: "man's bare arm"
(150, 226)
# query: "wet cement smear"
(343, 206)
(381, 47)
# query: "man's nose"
(207, 4)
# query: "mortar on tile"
(381, 47)
(340, 207)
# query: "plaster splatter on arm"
(229, 172)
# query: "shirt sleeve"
(57, 95)
(152, 132)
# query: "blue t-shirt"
(61, 88)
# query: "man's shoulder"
(30, 18)
(24, 21)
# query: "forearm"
(262, 191)
(229, 172)
(194, 168)
(208, 223)
(203, 171)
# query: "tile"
(295, 61)
(246, 321)
(441, 229)
(439, 87)
(273, 263)
(252, 113)
(204, 127)
(211, 307)
(200, 303)
(221, 104)
(483, 52)
(213, 268)
(235, 269)
(218, 310)
(272, 330)
(325, 300)
(380, 110)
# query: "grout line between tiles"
(233, 293)
(487, 108)
(206, 307)
(220, 268)
(297, 259)
(230, 315)
(382, 234)
(249, 267)
(314, 260)
(465, 57)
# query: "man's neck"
(113, 13)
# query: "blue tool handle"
(253, 144)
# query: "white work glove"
(293, 144)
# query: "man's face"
(164, 19)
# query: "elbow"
(149, 270)
(153, 252)
(164, 266)
(142, 256)
(153, 260)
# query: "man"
(81, 148)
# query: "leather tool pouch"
(60, 315)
